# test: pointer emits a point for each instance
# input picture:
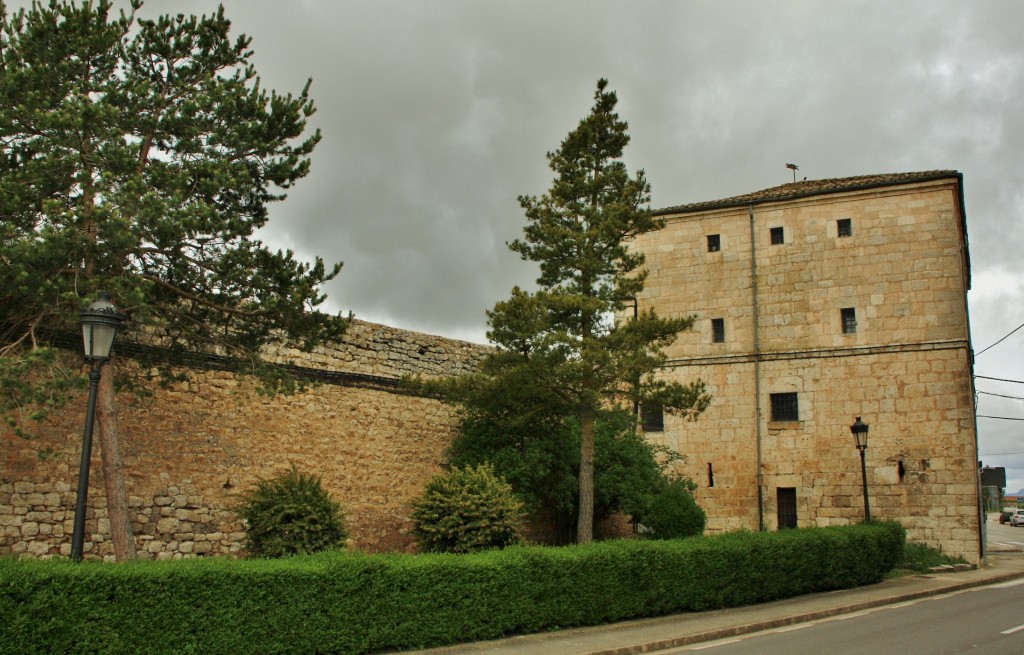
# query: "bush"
(290, 514)
(351, 603)
(920, 558)
(673, 513)
(469, 510)
(536, 447)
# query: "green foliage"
(920, 558)
(534, 442)
(672, 512)
(559, 338)
(34, 382)
(468, 510)
(138, 156)
(290, 514)
(351, 603)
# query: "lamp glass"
(99, 327)
(860, 433)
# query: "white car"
(1017, 518)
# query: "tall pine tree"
(563, 335)
(138, 157)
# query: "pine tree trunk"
(585, 526)
(118, 513)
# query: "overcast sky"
(436, 115)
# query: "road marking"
(716, 644)
(1007, 585)
(1012, 630)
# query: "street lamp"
(99, 327)
(860, 433)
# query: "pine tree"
(138, 157)
(563, 333)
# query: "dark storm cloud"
(436, 116)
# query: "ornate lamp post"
(860, 433)
(99, 327)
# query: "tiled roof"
(810, 188)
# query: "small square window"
(714, 242)
(845, 227)
(652, 417)
(718, 330)
(849, 316)
(778, 236)
(785, 407)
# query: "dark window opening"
(785, 407)
(786, 507)
(849, 315)
(711, 475)
(845, 226)
(714, 242)
(902, 470)
(778, 236)
(652, 417)
(718, 330)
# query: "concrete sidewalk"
(648, 635)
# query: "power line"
(1002, 418)
(1000, 341)
(988, 393)
(1019, 452)
(985, 377)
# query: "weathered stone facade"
(190, 449)
(892, 252)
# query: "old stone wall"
(192, 448)
(920, 456)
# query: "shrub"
(468, 510)
(920, 558)
(290, 514)
(351, 603)
(672, 513)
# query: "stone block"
(167, 525)
(38, 548)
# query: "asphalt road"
(982, 621)
(1003, 535)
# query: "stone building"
(819, 302)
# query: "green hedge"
(339, 602)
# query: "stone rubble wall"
(191, 450)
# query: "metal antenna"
(794, 168)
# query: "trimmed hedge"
(338, 602)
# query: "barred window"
(714, 242)
(785, 407)
(849, 317)
(778, 236)
(845, 226)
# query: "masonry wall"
(920, 465)
(906, 369)
(191, 449)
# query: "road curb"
(779, 622)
